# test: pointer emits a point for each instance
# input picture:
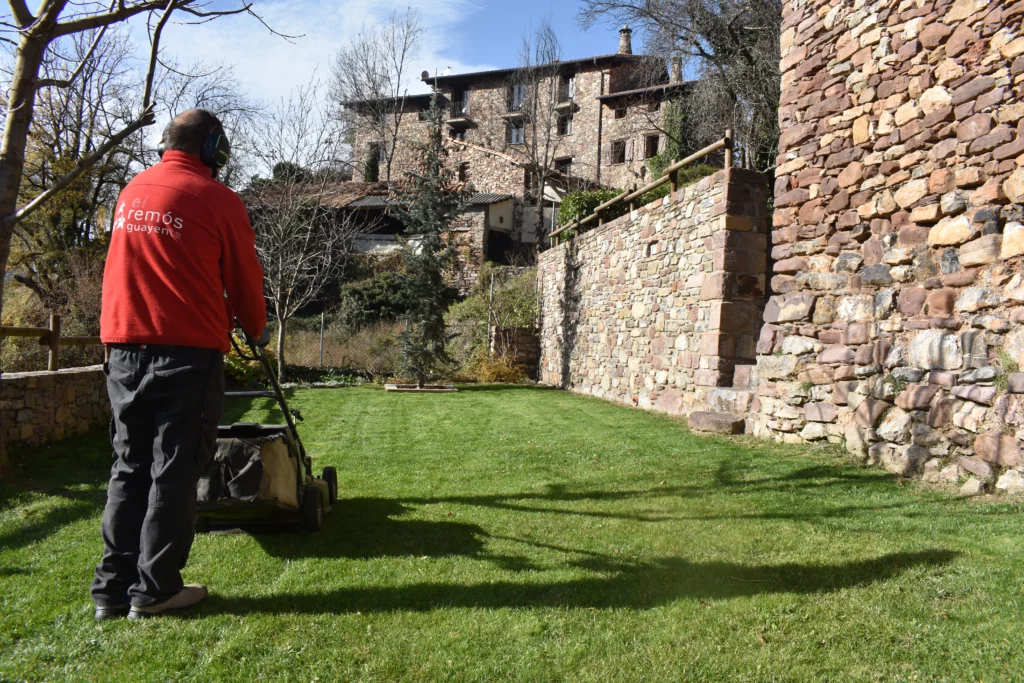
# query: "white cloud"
(269, 67)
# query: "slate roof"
(381, 201)
(598, 60)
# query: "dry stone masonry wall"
(43, 407)
(658, 307)
(896, 320)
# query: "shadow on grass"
(363, 528)
(641, 586)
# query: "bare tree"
(213, 87)
(69, 124)
(369, 82)
(32, 37)
(731, 47)
(303, 242)
(533, 91)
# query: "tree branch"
(146, 119)
(65, 82)
(21, 13)
(92, 21)
(154, 51)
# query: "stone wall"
(42, 407)
(898, 235)
(658, 307)
(520, 345)
(469, 235)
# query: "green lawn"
(516, 533)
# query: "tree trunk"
(21, 104)
(280, 348)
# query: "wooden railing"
(671, 175)
(49, 336)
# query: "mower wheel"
(312, 509)
(330, 475)
(202, 525)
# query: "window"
(516, 133)
(651, 146)
(457, 134)
(565, 124)
(382, 154)
(516, 97)
(459, 106)
(654, 106)
(567, 88)
(463, 171)
(564, 166)
(620, 113)
(619, 152)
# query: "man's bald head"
(188, 130)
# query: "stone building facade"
(603, 123)
(661, 307)
(896, 320)
(43, 407)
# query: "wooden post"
(728, 148)
(673, 179)
(53, 363)
(321, 338)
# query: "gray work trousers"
(167, 402)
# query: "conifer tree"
(432, 200)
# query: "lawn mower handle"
(260, 356)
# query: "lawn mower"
(260, 474)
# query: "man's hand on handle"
(261, 341)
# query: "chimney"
(675, 74)
(625, 41)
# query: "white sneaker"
(189, 596)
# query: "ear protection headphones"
(215, 151)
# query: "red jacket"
(180, 241)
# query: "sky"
(463, 35)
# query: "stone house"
(484, 231)
(603, 124)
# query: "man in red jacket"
(180, 241)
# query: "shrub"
(499, 369)
(514, 304)
(239, 372)
(581, 203)
(385, 297)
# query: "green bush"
(581, 203)
(514, 304)
(383, 297)
(239, 372)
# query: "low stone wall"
(42, 407)
(658, 306)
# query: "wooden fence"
(49, 336)
(671, 175)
